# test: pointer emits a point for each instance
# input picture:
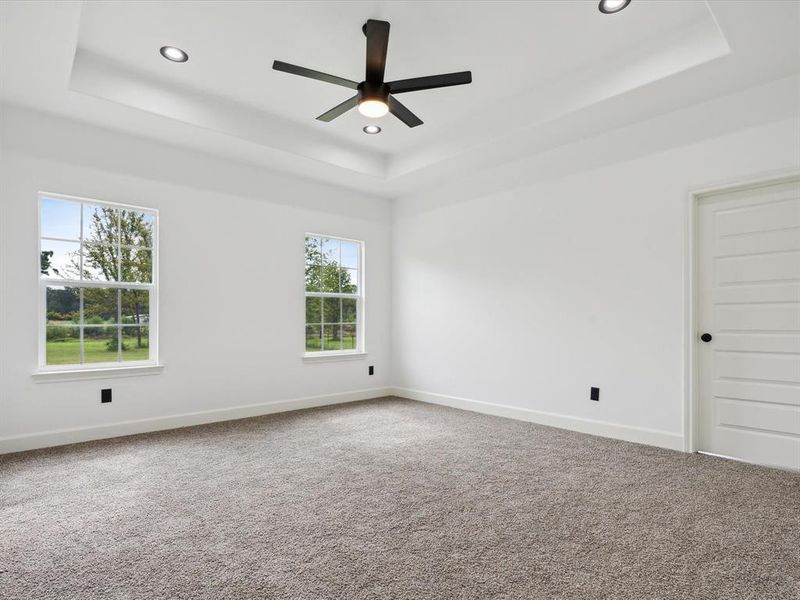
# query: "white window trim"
(56, 375)
(360, 351)
(68, 372)
(334, 356)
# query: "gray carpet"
(392, 499)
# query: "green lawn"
(347, 342)
(65, 352)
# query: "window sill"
(100, 373)
(333, 356)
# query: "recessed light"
(372, 129)
(610, 7)
(174, 54)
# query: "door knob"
(706, 337)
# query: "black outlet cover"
(105, 395)
(594, 394)
(371, 370)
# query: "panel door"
(749, 305)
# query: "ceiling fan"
(374, 96)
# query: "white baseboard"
(641, 435)
(60, 437)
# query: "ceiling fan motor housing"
(368, 90)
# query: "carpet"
(392, 499)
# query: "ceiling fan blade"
(338, 111)
(401, 112)
(377, 33)
(303, 72)
(430, 82)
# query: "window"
(97, 280)
(334, 295)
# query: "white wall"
(515, 302)
(231, 269)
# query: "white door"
(749, 304)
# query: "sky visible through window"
(61, 243)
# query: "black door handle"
(706, 337)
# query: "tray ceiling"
(539, 68)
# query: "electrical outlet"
(594, 394)
(105, 395)
(371, 370)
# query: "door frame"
(691, 404)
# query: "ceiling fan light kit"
(374, 96)
(373, 99)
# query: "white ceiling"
(539, 70)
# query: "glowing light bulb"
(373, 108)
